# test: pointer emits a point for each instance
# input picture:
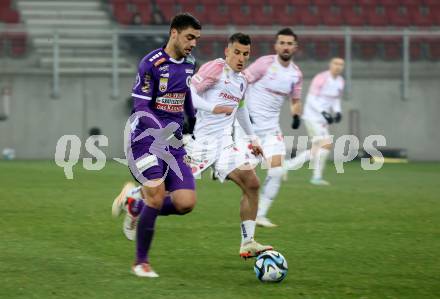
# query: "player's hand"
(219, 109)
(296, 122)
(256, 149)
(338, 117)
(328, 117)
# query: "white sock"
(298, 161)
(247, 231)
(319, 163)
(270, 190)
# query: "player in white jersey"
(322, 108)
(273, 79)
(220, 83)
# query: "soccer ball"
(271, 266)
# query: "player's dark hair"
(287, 31)
(183, 21)
(240, 38)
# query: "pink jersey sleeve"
(297, 87)
(256, 70)
(208, 75)
(317, 83)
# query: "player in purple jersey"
(156, 154)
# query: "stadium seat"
(322, 48)
(285, 16)
(262, 15)
(423, 16)
(399, 16)
(376, 15)
(392, 49)
(365, 47)
(353, 15)
(167, 7)
(416, 48)
(9, 16)
(18, 43)
(219, 15)
(240, 14)
(331, 15)
(145, 12)
(434, 49)
(308, 16)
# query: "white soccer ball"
(271, 266)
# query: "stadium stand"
(12, 44)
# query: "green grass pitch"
(370, 235)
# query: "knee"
(185, 205)
(252, 183)
(154, 198)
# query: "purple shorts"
(167, 165)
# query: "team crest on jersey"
(163, 84)
(188, 81)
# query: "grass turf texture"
(369, 235)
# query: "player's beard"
(285, 56)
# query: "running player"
(322, 108)
(217, 91)
(273, 80)
(156, 153)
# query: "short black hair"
(241, 38)
(184, 20)
(287, 31)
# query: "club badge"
(163, 84)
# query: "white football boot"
(144, 270)
(319, 182)
(120, 202)
(253, 249)
(264, 222)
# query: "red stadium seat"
(240, 14)
(376, 15)
(399, 16)
(18, 43)
(285, 16)
(145, 12)
(353, 15)
(219, 16)
(434, 49)
(365, 47)
(416, 48)
(167, 7)
(9, 16)
(262, 15)
(343, 2)
(308, 16)
(331, 15)
(323, 2)
(423, 16)
(322, 47)
(392, 48)
(121, 13)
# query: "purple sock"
(168, 207)
(144, 233)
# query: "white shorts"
(224, 157)
(317, 130)
(272, 144)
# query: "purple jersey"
(162, 90)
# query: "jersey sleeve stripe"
(141, 97)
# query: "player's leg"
(321, 147)
(321, 151)
(270, 189)
(153, 197)
(248, 181)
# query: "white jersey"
(270, 84)
(217, 84)
(325, 94)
